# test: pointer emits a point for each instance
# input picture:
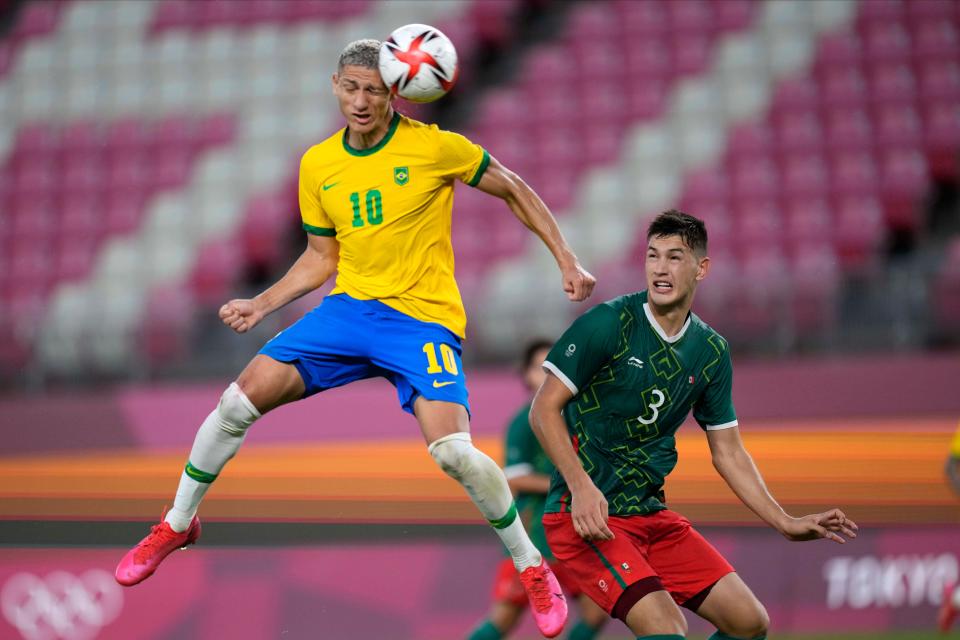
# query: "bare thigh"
(269, 383)
(438, 418)
(733, 609)
(656, 613)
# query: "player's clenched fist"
(240, 315)
(578, 283)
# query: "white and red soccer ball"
(418, 63)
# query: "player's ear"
(703, 268)
(334, 80)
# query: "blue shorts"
(345, 339)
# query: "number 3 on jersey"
(446, 354)
(374, 206)
(653, 405)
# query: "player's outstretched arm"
(589, 506)
(314, 266)
(499, 181)
(735, 465)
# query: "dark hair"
(531, 350)
(360, 53)
(677, 223)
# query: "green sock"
(485, 631)
(719, 635)
(582, 631)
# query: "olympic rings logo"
(61, 605)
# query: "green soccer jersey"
(524, 455)
(633, 387)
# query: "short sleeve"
(520, 447)
(955, 445)
(714, 409)
(461, 159)
(315, 220)
(584, 348)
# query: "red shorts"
(661, 545)
(507, 586)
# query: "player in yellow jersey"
(376, 201)
(950, 606)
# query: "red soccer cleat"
(141, 561)
(948, 610)
(548, 604)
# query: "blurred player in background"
(621, 382)
(376, 201)
(528, 471)
(950, 607)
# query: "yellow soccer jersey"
(390, 209)
(955, 445)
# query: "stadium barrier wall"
(437, 589)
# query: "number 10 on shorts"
(446, 355)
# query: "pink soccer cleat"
(948, 610)
(547, 602)
(141, 561)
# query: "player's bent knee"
(752, 626)
(453, 453)
(235, 410)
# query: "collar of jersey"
(380, 145)
(660, 332)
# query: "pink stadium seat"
(859, 229)
(939, 79)
(754, 178)
(757, 224)
(798, 131)
(885, 40)
(732, 15)
(218, 263)
(854, 172)
(892, 82)
(897, 125)
(691, 52)
(842, 87)
(848, 129)
(648, 57)
(37, 139)
(839, 48)
(690, 17)
(591, 22)
(804, 174)
(166, 322)
(936, 39)
(708, 184)
(941, 9)
(882, 11)
(74, 258)
(122, 211)
(750, 138)
(808, 221)
(641, 19)
(36, 19)
(796, 94)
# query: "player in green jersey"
(528, 471)
(950, 606)
(622, 380)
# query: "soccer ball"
(418, 63)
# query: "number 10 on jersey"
(446, 355)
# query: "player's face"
(534, 376)
(364, 99)
(673, 271)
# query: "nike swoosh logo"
(330, 186)
(437, 384)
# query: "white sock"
(218, 440)
(486, 485)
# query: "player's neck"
(361, 141)
(670, 318)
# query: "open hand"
(590, 513)
(830, 525)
